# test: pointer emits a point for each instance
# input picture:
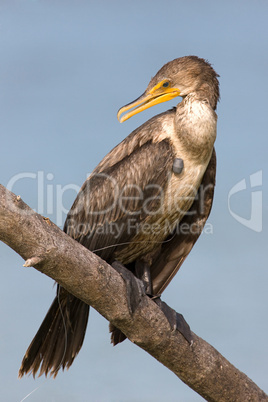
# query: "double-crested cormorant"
(144, 205)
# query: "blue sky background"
(66, 68)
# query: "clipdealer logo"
(51, 196)
(254, 222)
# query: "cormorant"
(144, 205)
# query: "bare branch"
(44, 246)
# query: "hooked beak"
(157, 94)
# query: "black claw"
(176, 320)
(183, 327)
(134, 287)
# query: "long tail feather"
(59, 337)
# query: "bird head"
(179, 77)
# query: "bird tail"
(59, 337)
(117, 336)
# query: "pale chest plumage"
(194, 145)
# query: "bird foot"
(134, 286)
(143, 272)
(176, 320)
(137, 288)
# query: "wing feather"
(99, 217)
(173, 252)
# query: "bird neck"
(196, 122)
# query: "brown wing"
(173, 253)
(115, 193)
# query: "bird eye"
(166, 84)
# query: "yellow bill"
(161, 92)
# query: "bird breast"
(196, 128)
(180, 190)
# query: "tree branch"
(44, 246)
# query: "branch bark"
(44, 246)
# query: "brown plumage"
(135, 208)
